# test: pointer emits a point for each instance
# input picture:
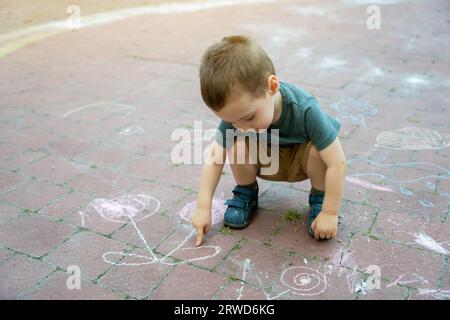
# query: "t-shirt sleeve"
(221, 134)
(321, 129)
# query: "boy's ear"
(273, 84)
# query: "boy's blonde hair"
(236, 62)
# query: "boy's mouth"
(254, 130)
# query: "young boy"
(238, 83)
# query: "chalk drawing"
(132, 209)
(331, 62)
(406, 191)
(352, 110)
(304, 281)
(416, 80)
(422, 170)
(367, 185)
(429, 243)
(426, 203)
(217, 211)
(445, 195)
(407, 278)
(245, 271)
(304, 53)
(412, 138)
(131, 130)
(431, 186)
(125, 107)
(435, 293)
(13, 41)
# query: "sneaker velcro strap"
(248, 192)
(236, 203)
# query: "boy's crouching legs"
(245, 195)
(316, 171)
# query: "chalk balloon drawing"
(412, 138)
(217, 211)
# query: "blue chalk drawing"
(406, 191)
(426, 203)
(431, 186)
(426, 171)
(351, 110)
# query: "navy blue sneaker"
(315, 206)
(241, 208)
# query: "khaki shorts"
(292, 163)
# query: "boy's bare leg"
(316, 169)
(242, 164)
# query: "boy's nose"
(247, 129)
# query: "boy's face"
(246, 112)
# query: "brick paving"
(87, 117)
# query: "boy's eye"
(248, 119)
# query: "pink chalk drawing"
(416, 172)
(367, 185)
(217, 211)
(132, 209)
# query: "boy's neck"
(277, 107)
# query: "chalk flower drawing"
(132, 209)
(412, 138)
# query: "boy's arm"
(210, 176)
(334, 158)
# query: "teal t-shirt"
(301, 120)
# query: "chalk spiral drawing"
(307, 281)
(352, 110)
(412, 138)
(132, 209)
(304, 281)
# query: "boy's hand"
(325, 225)
(201, 220)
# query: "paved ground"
(85, 135)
